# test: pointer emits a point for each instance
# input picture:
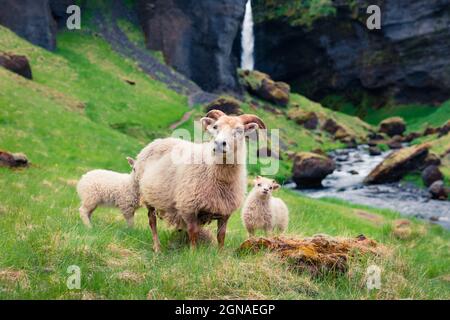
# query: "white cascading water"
(247, 39)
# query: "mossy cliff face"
(335, 53)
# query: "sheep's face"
(264, 186)
(228, 132)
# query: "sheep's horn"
(215, 114)
(248, 118)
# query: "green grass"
(416, 116)
(41, 234)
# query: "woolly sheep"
(108, 188)
(191, 194)
(262, 211)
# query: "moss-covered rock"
(393, 126)
(228, 105)
(308, 119)
(262, 85)
(309, 169)
(397, 164)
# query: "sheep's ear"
(250, 127)
(275, 186)
(206, 122)
(130, 161)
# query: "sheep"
(104, 187)
(210, 186)
(262, 211)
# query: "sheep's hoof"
(156, 249)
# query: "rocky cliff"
(196, 37)
(34, 20)
(406, 61)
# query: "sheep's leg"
(85, 214)
(251, 232)
(193, 230)
(152, 223)
(221, 230)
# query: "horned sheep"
(209, 186)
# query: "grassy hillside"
(417, 116)
(77, 114)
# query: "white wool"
(108, 188)
(262, 211)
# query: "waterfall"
(247, 39)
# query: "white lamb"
(109, 188)
(261, 211)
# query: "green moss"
(297, 13)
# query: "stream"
(353, 165)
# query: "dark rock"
(16, 64)
(374, 136)
(431, 174)
(402, 61)
(262, 85)
(372, 143)
(350, 142)
(308, 119)
(353, 172)
(395, 144)
(330, 126)
(227, 105)
(393, 126)
(444, 129)
(397, 164)
(411, 136)
(438, 190)
(309, 169)
(30, 19)
(374, 151)
(196, 37)
(13, 160)
(432, 159)
(430, 130)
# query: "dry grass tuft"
(317, 254)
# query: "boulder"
(397, 164)
(432, 159)
(330, 126)
(444, 129)
(411, 136)
(17, 64)
(429, 131)
(438, 190)
(374, 151)
(309, 169)
(262, 85)
(13, 160)
(431, 174)
(228, 105)
(308, 119)
(393, 126)
(395, 143)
